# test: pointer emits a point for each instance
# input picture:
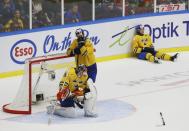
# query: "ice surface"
(131, 94)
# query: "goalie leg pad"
(68, 112)
(88, 95)
(90, 108)
(90, 101)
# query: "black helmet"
(78, 31)
(139, 27)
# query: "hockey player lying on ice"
(76, 90)
(143, 48)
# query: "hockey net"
(40, 82)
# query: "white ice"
(131, 94)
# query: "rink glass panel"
(77, 11)
(46, 13)
(108, 9)
(8, 11)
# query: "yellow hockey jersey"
(14, 24)
(141, 41)
(87, 56)
(73, 82)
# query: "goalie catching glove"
(63, 94)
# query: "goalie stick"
(124, 31)
(53, 105)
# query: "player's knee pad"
(150, 57)
(163, 56)
(160, 55)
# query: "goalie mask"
(81, 70)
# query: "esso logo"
(22, 50)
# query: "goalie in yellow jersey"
(76, 90)
(143, 48)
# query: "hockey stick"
(162, 118)
(37, 82)
(79, 105)
(124, 31)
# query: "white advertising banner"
(166, 31)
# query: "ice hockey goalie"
(76, 92)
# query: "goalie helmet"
(81, 69)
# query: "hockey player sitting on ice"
(76, 90)
(143, 48)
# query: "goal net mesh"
(40, 82)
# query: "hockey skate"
(174, 57)
(157, 61)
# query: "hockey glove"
(77, 51)
(81, 42)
